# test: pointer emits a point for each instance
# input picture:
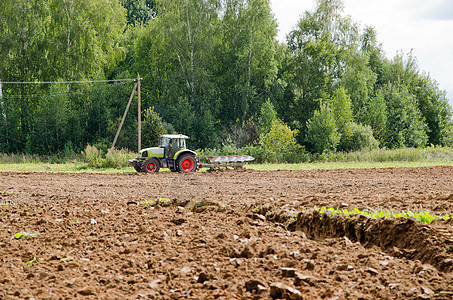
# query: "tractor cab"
(172, 143)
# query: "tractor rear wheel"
(151, 165)
(186, 163)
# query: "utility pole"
(124, 117)
(4, 113)
(136, 87)
(139, 114)
(3, 102)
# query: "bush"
(93, 156)
(277, 146)
(280, 144)
(241, 135)
(118, 158)
(322, 131)
(361, 138)
(257, 152)
(113, 159)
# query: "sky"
(423, 26)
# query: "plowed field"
(225, 235)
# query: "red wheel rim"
(187, 165)
(151, 167)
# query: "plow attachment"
(233, 161)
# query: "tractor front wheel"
(151, 165)
(187, 163)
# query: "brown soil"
(226, 235)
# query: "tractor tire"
(186, 163)
(151, 165)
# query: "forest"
(213, 70)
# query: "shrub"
(322, 131)
(241, 135)
(93, 156)
(257, 152)
(117, 158)
(113, 159)
(280, 144)
(361, 138)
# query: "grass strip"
(423, 216)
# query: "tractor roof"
(175, 136)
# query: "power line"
(65, 82)
(29, 96)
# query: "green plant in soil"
(11, 192)
(24, 234)
(67, 259)
(423, 216)
(160, 201)
(202, 204)
(31, 261)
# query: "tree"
(53, 40)
(22, 52)
(322, 133)
(83, 36)
(374, 113)
(280, 144)
(267, 116)
(430, 101)
(318, 48)
(49, 133)
(342, 110)
(373, 50)
(152, 127)
(405, 124)
(246, 56)
(139, 11)
(358, 79)
(188, 27)
(210, 60)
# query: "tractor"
(171, 153)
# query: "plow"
(233, 161)
(172, 153)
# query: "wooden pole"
(139, 115)
(124, 116)
(4, 114)
(1, 100)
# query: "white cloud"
(438, 10)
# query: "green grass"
(422, 216)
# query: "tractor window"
(163, 143)
(182, 144)
(178, 144)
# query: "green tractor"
(171, 153)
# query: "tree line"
(211, 69)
